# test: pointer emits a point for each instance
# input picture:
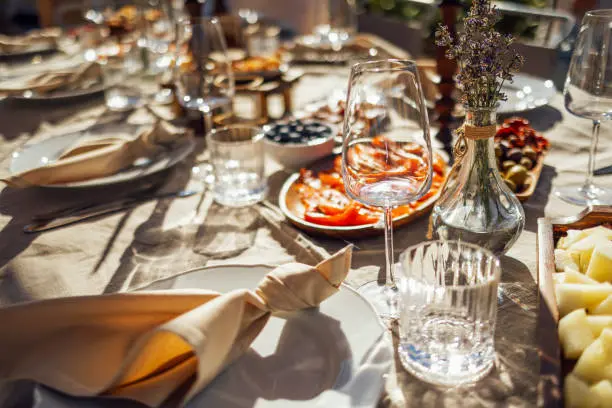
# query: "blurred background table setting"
(161, 157)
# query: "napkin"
(150, 346)
(10, 44)
(98, 158)
(80, 77)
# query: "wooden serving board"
(293, 208)
(553, 368)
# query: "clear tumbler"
(448, 295)
(237, 156)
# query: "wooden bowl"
(293, 208)
(552, 366)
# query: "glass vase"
(476, 206)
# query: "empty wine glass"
(203, 73)
(588, 94)
(386, 154)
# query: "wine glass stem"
(389, 276)
(208, 118)
(592, 152)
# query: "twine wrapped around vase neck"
(464, 133)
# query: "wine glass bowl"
(203, 75)
(588, 94)
(386, 156)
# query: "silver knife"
(40, 224)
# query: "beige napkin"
(10, 44)
(82, 76)
(99, 158)
(146, 346)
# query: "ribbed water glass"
(448, 293)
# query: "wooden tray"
(292, 207)
(552, 367)
(534, 177)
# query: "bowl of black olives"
(297, 143)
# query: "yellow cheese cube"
(604, 308)
(598, 323)
(600, 266)
(576, 392)
(601, 394)
(575, 334)
(595, 363)
(572, 296)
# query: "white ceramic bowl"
(294, 156)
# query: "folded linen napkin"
(82, 76)
(149, 346)
(11, 44)
(99, 158)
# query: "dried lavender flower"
(486, 58)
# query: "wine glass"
(203, 73)
(386, 154)
(588, 94)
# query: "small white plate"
(526, 93)
(333, 356)
(45, 152)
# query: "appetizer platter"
(314, 199)
(520, 152)
(267, 67)
(575, 320)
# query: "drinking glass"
(341, 25)
(399, 134)
(448, 295)
(124, 71)
(203, 73)
(588, 94)
(237, 157)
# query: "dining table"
(162, 238)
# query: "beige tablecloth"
(163, 238)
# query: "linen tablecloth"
(163, 238)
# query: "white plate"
(41, 48)
(526, 93)
(42, 153)
(333, 356)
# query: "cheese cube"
(563, 260)
(601, 394)
(595, 363)
(598, 323)
(575, 334)
(572, 296)
(600, 266)
(576, 392)
(603, 308)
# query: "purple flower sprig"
(486, 58)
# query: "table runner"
(163, 238)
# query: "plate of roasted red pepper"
(314, 200)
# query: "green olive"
(530, 153)
(526, 162)
(508, 164)
(498, 151)
(510, 185)
(517, 174)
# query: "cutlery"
(67, 217)
(603, 171)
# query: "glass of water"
(448, 293)
(237, 156)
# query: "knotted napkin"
(90, 159)
(10, 44)
(149, 346)
(80, 77)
